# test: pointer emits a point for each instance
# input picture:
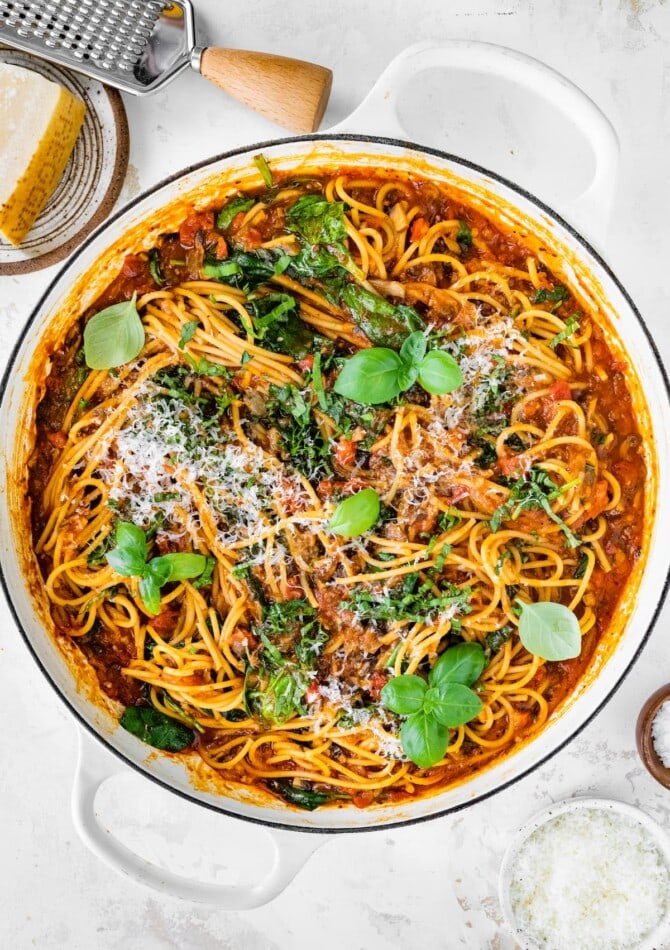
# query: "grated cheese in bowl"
(589, 874)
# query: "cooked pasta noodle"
(225, 437)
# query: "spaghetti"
(226, 437)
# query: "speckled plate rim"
(656, 938)
(101, 209)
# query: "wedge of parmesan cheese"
(39, 124)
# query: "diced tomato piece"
(293, 589)
(133, 266)
(560, 390)
(196, 221)
(237, 220)
(596, 503)
(218, 243)
(419, 228)
(57, 439)
(166, 621)
(363, 799)
(325, 488)
(242, 640)
(376, 683)
(313, 692)
(250, 238)
(306, 364)
(345, 452)
(513, 465)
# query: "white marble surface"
(432, 885)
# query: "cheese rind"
(39, 125)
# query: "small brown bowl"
(643, 736)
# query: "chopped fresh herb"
(187, 332)
(410, 600)
(571, 326)
(498, 638)
(155, 267)
(261, 164)
(464, 234)
(275, 688)
(582, 564)
(203, 367)
(557, 296)
(533, 490)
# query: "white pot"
(136, 227)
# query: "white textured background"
(431, 886)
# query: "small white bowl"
(653, 939)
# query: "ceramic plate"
(92, 178)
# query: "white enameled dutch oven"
(297, 834)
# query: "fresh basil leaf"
(460, 664)
(404, 694)
(150, 592)
(317, 220)
(452, 704)
(407, 376)
(439, 373)
(114, 336)
(180, 566)
(261, 164)
(355, 514)
(549, 630)
(187, 332)
(129, 556)
(231, 209)
(424, 739)
(156, 729)
(413, 349)
(370, 377)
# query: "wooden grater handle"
(290, 92)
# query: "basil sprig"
(378, 374)
(549, 630)
(355, 514)
(113, 336)
(129, 559)
(434, 707)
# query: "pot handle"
(378, 112)
(94, 766)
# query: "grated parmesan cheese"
(589, 879)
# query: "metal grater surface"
(115, 41)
